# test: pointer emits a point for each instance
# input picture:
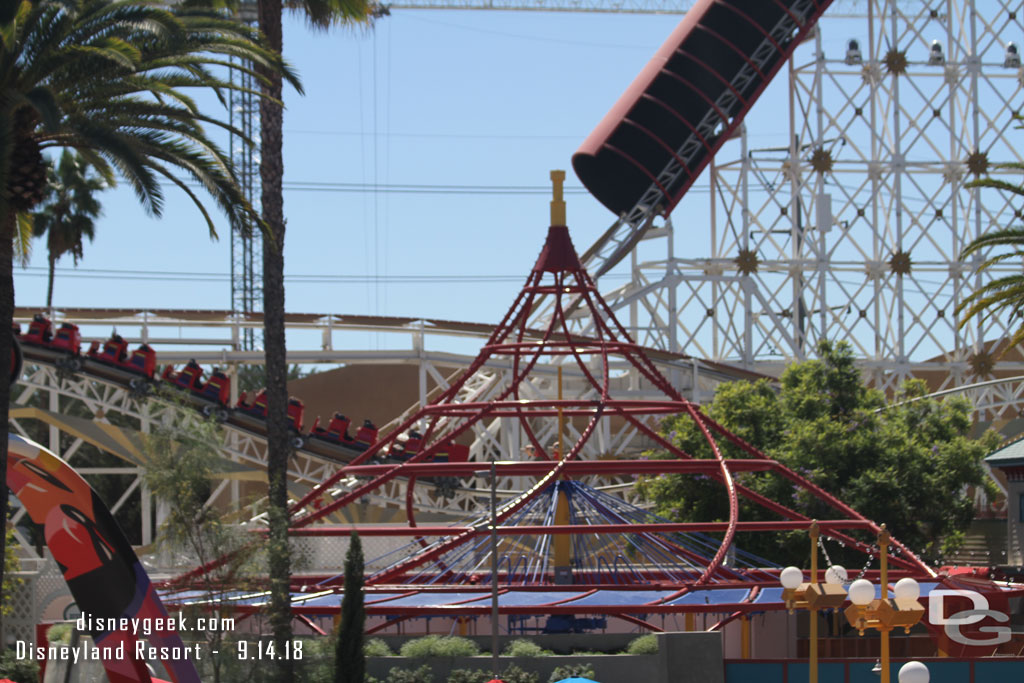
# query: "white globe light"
(791, 578)
(862, 592)
(836, 575)
(914, 672)
(907, 590)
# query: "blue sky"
(450, 98)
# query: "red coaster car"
(143, 361)
(40, 331)
(452, 452)
(336, 432)
(189, 378)
(217, 388)
(403, 449)
(258, 408)
(115, 351)
(68, 338)
(367, 435)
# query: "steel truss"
(855, 230)
(556, 461)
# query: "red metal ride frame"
(558, 273)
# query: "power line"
(186, 276)
(403, 188)
(445, 136)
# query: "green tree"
(182, 459)
(112, 80)
(68, 213)
(906, 464)
(349, 658)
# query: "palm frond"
(23, 239)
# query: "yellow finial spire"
(557, 201)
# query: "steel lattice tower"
(246, 248)
(855, 230)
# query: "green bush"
(469, 676)
(424, 674)
(18, 670)
(644, 645)
(524, 648)
(60, 633)
(513, 674)
(375, 647)
(571, 670)
(440, 646)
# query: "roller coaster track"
(104, 391)
(103, 396)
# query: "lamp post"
(883, 614)
(813, 596)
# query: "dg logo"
(978, 612)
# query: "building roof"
(1009, 455)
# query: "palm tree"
(1004, 294)
(320, 14)
(68, 213)
(112, 81)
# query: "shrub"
(375, 647)
(60, 633)
(644, 645)
(513, 674)
(454, 646)
(438, 646)
(524, 648)
(571, 670)
(18, 670)
(469, 676)
(421, 675)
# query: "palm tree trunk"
(49, 282)
(278, 437)
(6, 321)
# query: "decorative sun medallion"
(900, 262)
(953, 172)
(871, 73)
(977, 163)
(895, 62)
(981, 364)
(821, 160)
(747, 261)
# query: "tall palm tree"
(319, 14)
(112, 81)
(68, 213)
(1004, 294)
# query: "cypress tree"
(349, 659)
